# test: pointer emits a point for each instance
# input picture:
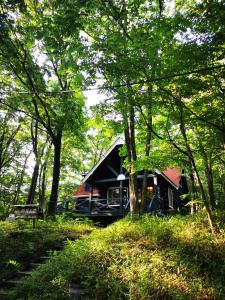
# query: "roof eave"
(119, 141)
(164, 176)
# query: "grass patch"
(152, 258)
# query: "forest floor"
(152, 258)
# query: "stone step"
(12, 282)
(4, 294)
(76, 291)
(34, 264)
(41, 259)
(25, 273)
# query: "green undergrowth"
(20, 243)
(151, 258)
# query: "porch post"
(121, 185)
(121, 196)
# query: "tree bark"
(34, 179)
(192, 160)
(223, 189)
(31, 194)
(42, 188)
(57, 141)
(132, 157)
(42, 181)
(210, 185)
(192, 188)
(144, 200)
(20, 183)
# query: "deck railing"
(101, 204)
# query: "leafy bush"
(4, 210)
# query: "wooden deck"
(101, 208)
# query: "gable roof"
(172, 175)
(118, 141)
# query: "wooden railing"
(101, 204)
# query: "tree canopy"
(161, 64)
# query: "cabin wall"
(165, 194)
(161, 197)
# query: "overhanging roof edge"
(163, 175)
(118, 141)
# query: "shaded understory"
(20, 243)
(152, 258)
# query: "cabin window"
(149, 192)
(170, 198)
(113, 197)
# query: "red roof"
(173, 174)
(84, 191)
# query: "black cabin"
(105, 188)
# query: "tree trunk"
(132, 157)
(42, 188)
(144, 200)
(221, 173)
(192, 160)
(20, 183)
(34, 179)
(57, 141)
(192, 189)
(223, 189)
(134, 209)
(208, 210)
(210, 186)
(31, 194)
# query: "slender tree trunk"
(31, 194)
(208, 210)
(144, 200)
(56, 173)
(223, 189)
(42, 181)
(42, 188)
(221, 173)
(210, 185)
(191, 157)
(20, 183)
(192, 188)
(207, 160)
(132, 157)
(34, 179)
